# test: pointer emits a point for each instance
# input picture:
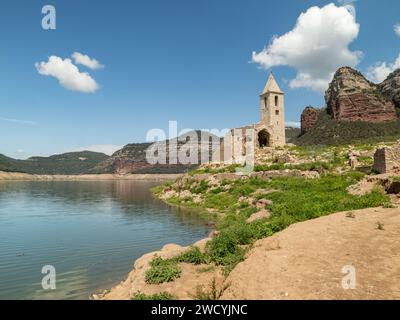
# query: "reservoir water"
(90, 232)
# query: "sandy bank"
(304, 261)
(183, 288)
(85, 177)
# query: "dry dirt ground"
(305, 261)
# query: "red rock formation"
(351, 97)
(390, 88)
(309, 118)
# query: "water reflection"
(90, 231)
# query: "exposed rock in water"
(351, 97)
(309, 118)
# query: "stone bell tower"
(273, 111)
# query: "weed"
(193, 255)
(162, 271)
(158, 296)
(350, 214)
(380, 226)
(214, 293)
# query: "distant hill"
(292, 134)
(67, 163)
(132, 158)
(8, 164)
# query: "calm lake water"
(91, 232)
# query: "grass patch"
(206, 269)
(295, 199)
(193, 255)
(158, 296)
(162, 271)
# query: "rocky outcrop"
(351, 97)
(309, 118)
(390, 88)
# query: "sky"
(111, 71)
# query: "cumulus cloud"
(396, 29)
(67, 74)
(379, 72)
(292, 124)
(86, 61)
(108, 149)
(316, 47)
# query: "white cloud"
(108, 149)
(292, 124)
(86, 61)
(19, 121)
(67, 74)
(316, 47)
(396, 29)
(379, 72)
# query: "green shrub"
(158, 296)
(162, 271)
(200, 188)
(193, 255)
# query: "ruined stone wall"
(387, 159)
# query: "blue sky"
(183, 60)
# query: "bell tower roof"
(271, 86)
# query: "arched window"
(276, 101)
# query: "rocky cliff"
(390, 88)
(309, 118)
(351, 97)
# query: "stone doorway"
(263, 138)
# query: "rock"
(262, 203)
(286, 158)
(227, 176)
(353, 158)
(185, 194)
(213, 234)
(167, 194)
(390, 88)
(351, 97)
(309, 118)
(262, 214)
(394, 187)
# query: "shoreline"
(332, 238)
(18, 176)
